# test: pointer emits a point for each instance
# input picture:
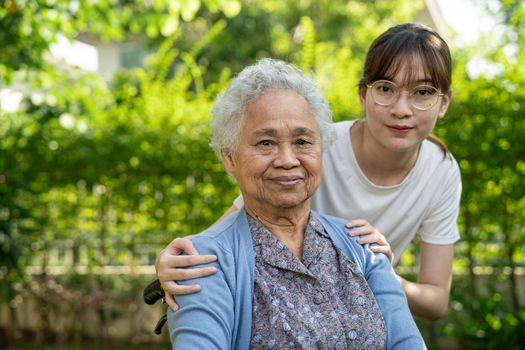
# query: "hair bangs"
(408, 47)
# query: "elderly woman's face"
(278, 160)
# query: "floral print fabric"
(321, 302)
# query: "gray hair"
(228, 110)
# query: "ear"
(227, 160)
(362, 96)
(445, 102)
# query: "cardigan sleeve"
(205, 320)
(401, 329)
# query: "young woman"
(386, 169)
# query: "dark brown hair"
(409, 42)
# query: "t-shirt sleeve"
(440, 225)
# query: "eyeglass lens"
(421, 97)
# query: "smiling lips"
(400, 129)
(287, 181)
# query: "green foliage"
(484, 128)
(487, 321)
(98, 173)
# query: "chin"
(290, 202)
(400, 146)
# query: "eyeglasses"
(422, 97)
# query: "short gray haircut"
(267, 74)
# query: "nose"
(402, 107)
(286, 157)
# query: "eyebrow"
(419, 81)
(273, 132)
(424, 80)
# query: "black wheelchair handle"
(153, 292)
(160, 324)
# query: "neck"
(381, 166)
(287, 224)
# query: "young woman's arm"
(428, 297)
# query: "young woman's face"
(400, 127)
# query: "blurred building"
(111, 57)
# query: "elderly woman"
(287, 277)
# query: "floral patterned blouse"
(321, 302)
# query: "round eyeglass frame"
(396, 98)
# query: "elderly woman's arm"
(169, 265)
(205, 320)
(402, 330)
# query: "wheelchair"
(152, 293)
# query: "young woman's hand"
(168, 269)
(369, 234)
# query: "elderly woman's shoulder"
(220, 236)
(336, 228)
(335, 222)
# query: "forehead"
(277, 109)
(407, 70)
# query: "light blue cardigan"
(220, 315)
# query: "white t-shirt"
(426, 202)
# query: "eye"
(265, 143)
(385, 88)
(424, 91)
(302, 142)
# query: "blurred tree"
(485, 130)
(111, 171)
